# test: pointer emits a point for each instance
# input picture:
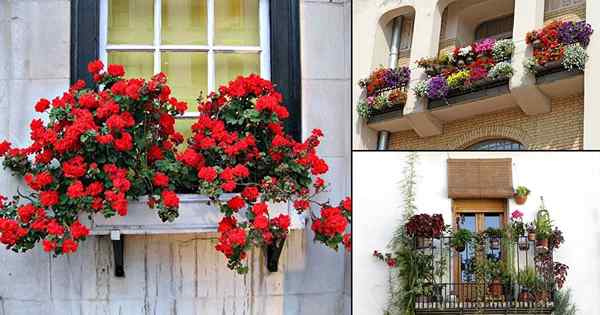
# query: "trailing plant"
(563, 303)
(501, 70)
(420, 88)
(494, 233)
(574, 58)
(460, 238)
(240, 156)
(100, 146)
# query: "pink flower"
(516, 215)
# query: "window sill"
(195, 216)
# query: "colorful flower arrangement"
(559, 43)
(465, 68)
(100, 149)
(385, 89)
(96, 151)
(239, 147)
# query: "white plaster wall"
(174, 274)
(567, 181)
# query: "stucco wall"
(561, 129)
(173, 274)
(567, 181)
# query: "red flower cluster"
(258, 162)
(548, 47)
(330, 228)
(424, 225)
(85, 158)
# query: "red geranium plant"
(98, 149)
(239, 147)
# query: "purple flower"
(438, 87)
(484, 46)
(575, 32)
(396, 77)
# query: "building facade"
(46, 45)
(528, 112)
(566, 181)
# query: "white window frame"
(157, 48)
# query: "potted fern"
(460, 239)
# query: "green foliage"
(543, 225)
(420, 88)
(503, 49)
(563, 304)
(522, 191)
(460, 238)
(501, 70)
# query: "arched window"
(500, 28)
(497, 145)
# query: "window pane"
(130, 21)
(137, 64)
(467, 257)
(184, 126)
(228, 66)
(187, 74)
(184, 22)
(236, 22)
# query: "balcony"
(554, 81)
(494, 275)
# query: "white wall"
(569, 183)
(174, 274)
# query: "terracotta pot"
(520, 200)
(542, 245)
(273, 253)
(531, 236)
(525, 296)
(496, 288)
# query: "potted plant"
(543, 229)
(424, 228)
(494, 236)
(521, 194)
(460, 238)
(529, 282)
(517, 230)
(494, 274)
(530, 232)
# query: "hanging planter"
(494, 236)
(542, 245)
(460, 238)
(273, 253)
(521, 194)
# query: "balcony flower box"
(196, 215)
(474, 68)
(385, 92)
(559, 47)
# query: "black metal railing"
(515, 279)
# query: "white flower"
(465, 51)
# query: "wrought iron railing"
(458, 283)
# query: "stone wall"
(173, 274)
(561, 129)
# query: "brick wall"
(560, 129)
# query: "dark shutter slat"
(85, 30)
(285, 59)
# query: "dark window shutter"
(285, 59)
(85, 30)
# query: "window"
(500, 28)
(552, 5)
(476, 215)
(497, 145)
(198, 44)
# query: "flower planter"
(424, 242)
(273, 253)
(542, 245)
(196, 215)
(496, 288)
(478, 90)
(520, 200)
(383, 113)
(525, 296)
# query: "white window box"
(195, 216)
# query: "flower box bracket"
(118, 253)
